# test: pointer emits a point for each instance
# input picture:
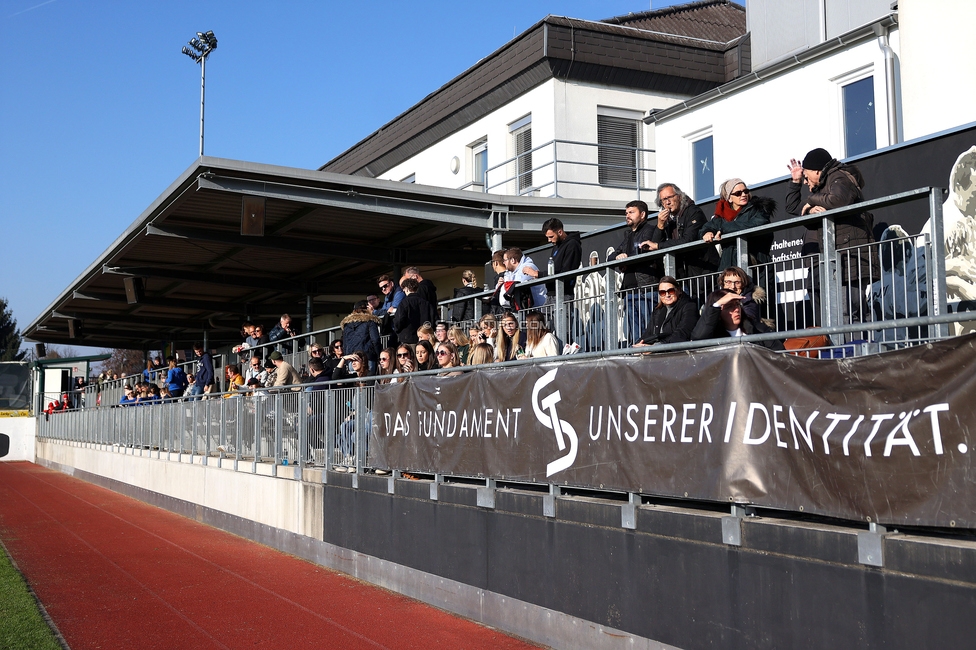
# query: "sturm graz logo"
(545, 412)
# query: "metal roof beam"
(199, 305)
(358, 252)
(350, 200)
(245, 282)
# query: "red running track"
(114, 572)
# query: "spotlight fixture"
(202, 46)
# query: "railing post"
(555, 168)
(829, 278)
(560, 315)
(330, 429)
(936, 269)
(610, 280)
(279, 429)
(302, 415)
(742, 253)
(477, 308)
(361, 434)
(671, 265)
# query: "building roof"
(612, 53)
(710, 20)
(325, 235)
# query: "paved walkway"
(114, 573)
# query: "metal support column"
(830, 290)
(936, 269)
(610, 317)
(560, 313)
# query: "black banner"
(883, 438)
(14, 386)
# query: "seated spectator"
(128, 396)
(255, 370)
(406, 361)
(353, 366)
(722, 317)
(464, 311)
(285, 373)
(426, 359)
(674, 318)
(413, 312)
(456, 336)
(317, 376)
(335, 356)
(738, 281)
(283, 330)
(489, 329)
(539, 341)
(252, 385)
(361, 331)
(510, 339)
(481, 353)
(153, 396)
(447, 358)
(164, 393)
(235, 380)
(738, 210)
(440, 332)
(426, 333)
(387, 365)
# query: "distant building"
(558, 111)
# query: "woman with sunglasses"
(510, 341)
(405, 360)
(387, 365)
(447, 358)
(735, 211)
(353, 366)
(332, 360)
(674, 317)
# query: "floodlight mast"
(202, 45)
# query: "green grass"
(21, 623)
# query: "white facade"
(559, 113)
(759, 128)
(937, 64)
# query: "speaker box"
(133, 289)
(252, 216)
(40, 351)
(74, 328)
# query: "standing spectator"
(521, 268)
(392, 297)
(283, 330)
(566, 255)
(257, 339)
(738, 210)
(833, 184)
(285, 373)
(464, 311)
(674, 317)
(360, 331)
(176, 381)
(205, 371)
(680, 221)
(413, 312)
(425, 288)
(638, 275)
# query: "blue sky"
(99, 110)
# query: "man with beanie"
(833, 184)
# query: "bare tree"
(124, 362)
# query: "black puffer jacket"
(673, 327)
(361, 332)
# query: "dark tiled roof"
(711, 20)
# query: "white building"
(559, 110)
(852, 76)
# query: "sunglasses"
(667, 292)
(403, 355)
(384, 359)
(739, 193)
(442, 353)
(386, 285)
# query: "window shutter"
(523, 149)
(618, 139)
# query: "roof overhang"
(325, 236)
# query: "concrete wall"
(20, 432)
(757, 130)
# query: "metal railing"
(572, 163)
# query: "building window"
(521, 131)
(618, 141)
(704, 172)
(479, 164)
(412, 178)
(860, 135)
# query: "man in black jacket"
(680, 221)
(566, 255)
(426, 288)
(638, 275)
(413, 312)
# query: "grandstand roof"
(325, 235)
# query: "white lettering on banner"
(559, 427)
